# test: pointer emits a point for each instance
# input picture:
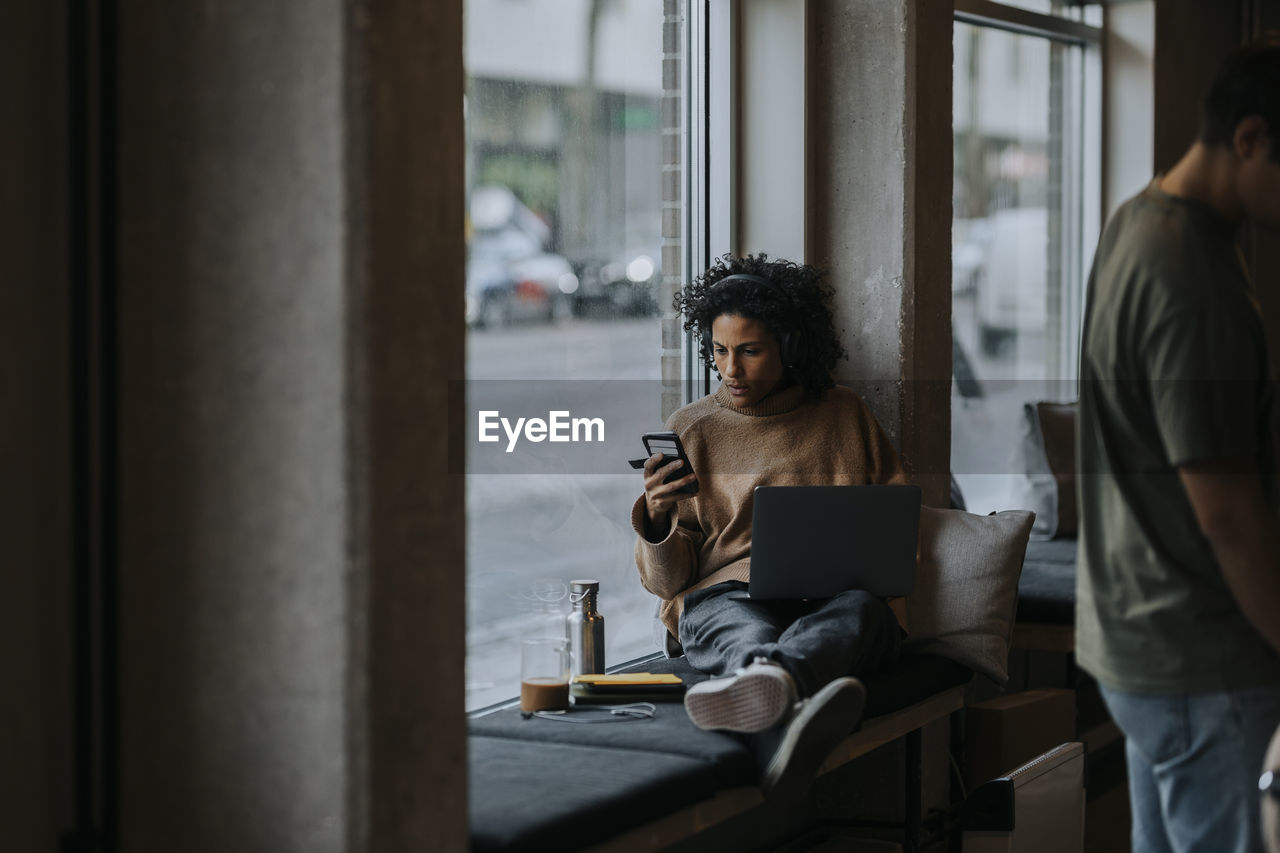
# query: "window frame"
(731, 127)
(988, 13)
(695, 187)
(710, 118)
(1078, 211)
(1082, 210)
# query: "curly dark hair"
(798, 305)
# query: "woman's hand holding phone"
(659, 495)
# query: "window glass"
(1016, 281)
(574, 151)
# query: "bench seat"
(534, 780)
(1046, 613)
(533, 795)
(1047, 586)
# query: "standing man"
(1178, 614)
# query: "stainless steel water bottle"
(585, 628)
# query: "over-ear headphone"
(789, 345)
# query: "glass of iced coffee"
(544, 674)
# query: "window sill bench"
(540, 784)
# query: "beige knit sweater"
(785, 440)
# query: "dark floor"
(1106, 822)
(1106, 815)
(1106, 831)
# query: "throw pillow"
(1058, 432)
(1045, 456)
(967, 587)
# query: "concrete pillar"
(290, 544)
(234, 507)
(879, 212)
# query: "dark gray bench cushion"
(1047, 587)
(535, 780)
(912, 679)
(528, 795)
(670, 732)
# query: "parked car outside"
(970, 239)
(621, 287)
(502, 289)
(511, 277)
(1011, 293)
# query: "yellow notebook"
(629, 679)
(626, 687)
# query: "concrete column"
(290, 312)
(234, 506)
(879, 212)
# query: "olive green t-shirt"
(1174, 369)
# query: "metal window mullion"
(710, 162)
(1073, 213)
(985, 13)
(1057, 202)
(679, 195)
(694, 79)
(1077, 196)
(721, 157)
(1091, 195)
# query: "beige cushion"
(1046, 455)
(1058, 429)
(967, 587)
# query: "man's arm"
(1243, 531)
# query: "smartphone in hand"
(668, 444)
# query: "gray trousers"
(817, 641)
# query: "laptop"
(818, 541)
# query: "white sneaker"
(751, 700)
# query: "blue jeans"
(816, 641)
(1194, 761)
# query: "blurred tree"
(581, 204)
(535, 180)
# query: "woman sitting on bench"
(787, 669)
